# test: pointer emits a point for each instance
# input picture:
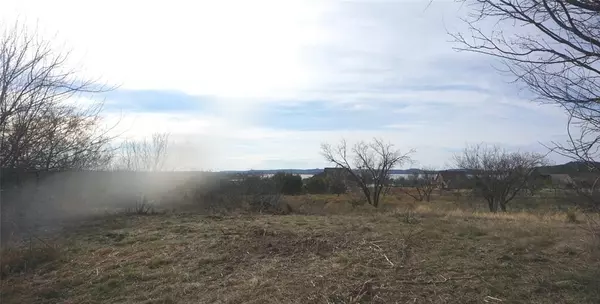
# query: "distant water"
(305, 176)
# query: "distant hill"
(568, 168)
(308, 171)
(273, 171)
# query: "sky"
(261, 84)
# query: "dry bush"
(268, 203)
(215, 195)
(142, 206)
(307, 204)
(227, 194)
(19, 259)
(421, 185)
(407, 216)
(571, 215)
(593, 228)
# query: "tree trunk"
(503, 206)
(367, 194)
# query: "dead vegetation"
(27, 257)
(411, 254)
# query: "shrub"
(337, 186)
(268, 203)
(222, 194)
(316, 185)
(142, 206)
(263, 195)
(22, 259)
(593, 227)
(356, 202)
(252, 184)
(289, 184)
(243, 191)
(571, 215)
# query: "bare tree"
(40, 127)
(144, 155)
(368, 164)
(499, 175)
(554, 49)
(423, 182)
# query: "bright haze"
(261, 84)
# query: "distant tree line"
(288, 184)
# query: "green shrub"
(336, 186)
(316, 185)
(289, 184)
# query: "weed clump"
(142, 206)
(571, 216)
(16, 260)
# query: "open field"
(412, 254)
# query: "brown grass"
(26, 258)
(410, 253)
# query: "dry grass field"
(406, 253)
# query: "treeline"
(287, 184)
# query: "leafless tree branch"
(499, 175)
(423, 182)
(144, 155)
(40, 126)
(368, 164)
(554, 50)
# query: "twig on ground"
(364, 289)
(488, 298)
(443, 280)
(383, 254)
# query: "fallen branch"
(383, 254)
(443, 280)
(364, 289)
(487, 298)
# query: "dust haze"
(38, 201)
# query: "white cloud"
(208, 143)
(236, 48)
(253, 54)
(230, 48)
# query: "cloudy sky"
(261, 84)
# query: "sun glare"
(229, 48)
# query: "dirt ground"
(399, 256)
